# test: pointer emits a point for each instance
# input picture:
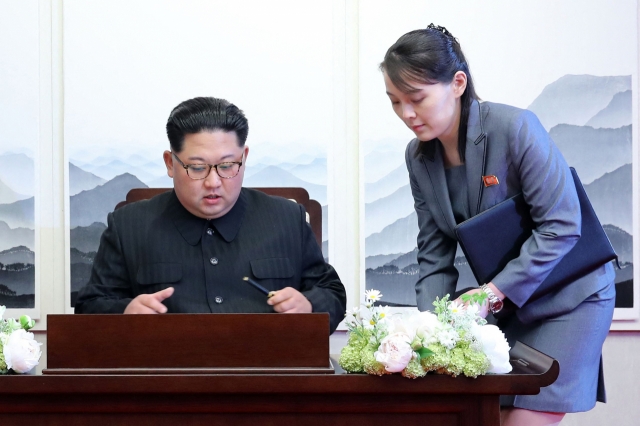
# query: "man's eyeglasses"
(226, 170)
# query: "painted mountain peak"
(93, 205)
(616, 114)
(80, 180)
(10, 237)
(575, 99)
(8, 195)
(17, 172)
(593, 152)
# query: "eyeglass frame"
(211, 166)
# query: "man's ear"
(168, 161)
(246, 153)
(459, 83)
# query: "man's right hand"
(149, 303)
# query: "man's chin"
(214, 213)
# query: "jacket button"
(209, 231)
(213, 260)
(219, 299)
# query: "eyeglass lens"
(225, 170)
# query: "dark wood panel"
(187, 341)
(280, 419)
(263, 399)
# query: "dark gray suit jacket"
(154, 244)
(511, 144)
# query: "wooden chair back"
(300, 195)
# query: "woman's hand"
(483, 309)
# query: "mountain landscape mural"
(99, 181)
(17, 235)
(588, 117)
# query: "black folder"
(494, 237)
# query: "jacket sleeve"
(319, 282)
(436, 251)
(549, 190)
(109, 289)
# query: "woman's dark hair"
(431, 55)
(205, 114)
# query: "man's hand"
(290, 301)
(149, 303)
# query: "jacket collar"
(229, 224)
(192, 227)
(475, 157)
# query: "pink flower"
(394, 352)
(21, 351)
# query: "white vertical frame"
(631, 320)
(49, 213)
(344, 167)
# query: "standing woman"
(467, 157)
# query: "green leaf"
(424, 352)
(26, 322)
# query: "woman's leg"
(520, 417)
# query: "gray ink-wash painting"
(97, 182)
(17, 236)
(589, 118)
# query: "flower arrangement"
(452, 340)
(19, 352)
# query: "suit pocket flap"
(158, 273)
(277, 267)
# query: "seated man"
(187, 251)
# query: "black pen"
(260, 288)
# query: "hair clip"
(441, 29)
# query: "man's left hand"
(290, 301)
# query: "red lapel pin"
(490, 180)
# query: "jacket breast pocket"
(159, 273)
(273, 268)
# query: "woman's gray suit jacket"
(511, 144)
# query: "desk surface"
(254, 399)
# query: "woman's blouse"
(458, 192)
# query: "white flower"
(472, 309)
(366, 316)
(21, 351)
(394, 352)
(495, 347)
(2, 309)
(383, 313)
(455, 307)
(428, 325)
(447, 336)
(373, 295)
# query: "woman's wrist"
(496, 291)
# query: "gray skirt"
(575, 339)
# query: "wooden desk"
(278, 399)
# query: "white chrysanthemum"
(373, 295)
(456, 308)
(496, 348)
(366, 316)
(383, 313)
(447, 336)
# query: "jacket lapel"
(432, 160)
(475, 157)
